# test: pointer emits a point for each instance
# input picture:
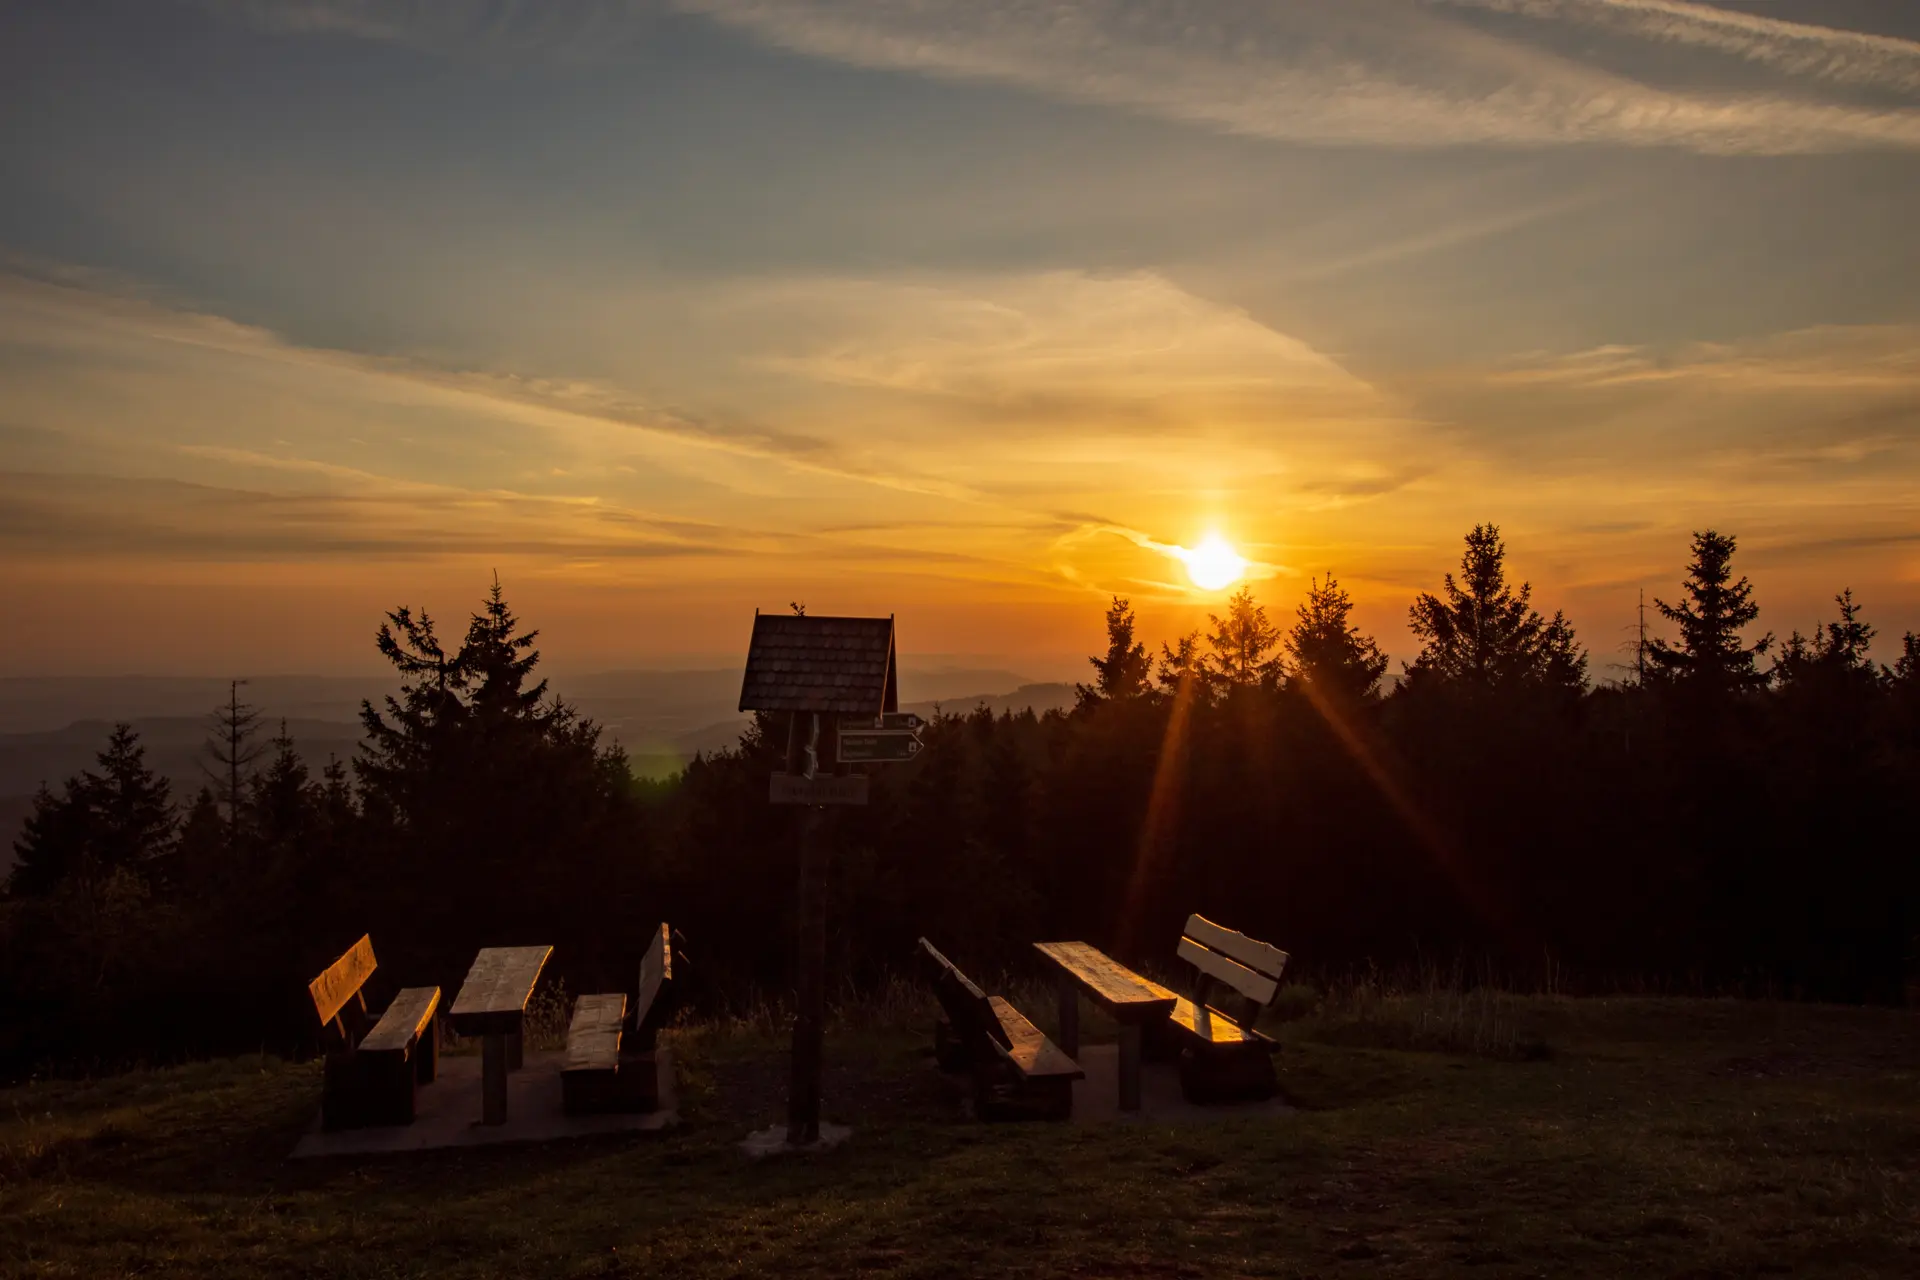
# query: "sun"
(1213, 564)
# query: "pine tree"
(284, 799)
(1181, 664)
(1326, 652)
(1835, 656)
(132, 814)
(1242, 644)
(117, 818)
(233, 753)
(1126, 672)
(1710, 656)
(399, 741)
(1486, 634)
(496, 660)
(52, 841)
(205, 844)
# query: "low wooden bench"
(611, 1063)
(372, 1073)
(1016, 1071)
(1223, 1058)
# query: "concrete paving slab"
(773, 1142)
(447, 1113)
(1096, 1099)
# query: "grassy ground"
(1437, 1135)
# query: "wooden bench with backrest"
(611, 1063)
(373, 1073)
(1223, 1057)
(1016, 1071)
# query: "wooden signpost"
(824, 673)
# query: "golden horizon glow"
(1213, 565)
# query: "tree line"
(1734, 817)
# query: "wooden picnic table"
(1128, 998)
(492, 1004)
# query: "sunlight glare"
(1213, 564)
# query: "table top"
(495, 992)
(1107, 982)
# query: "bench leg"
(1069, 1015)
(514, 1060)
(493, 1080)
(1130, 1066)
(427, 1052)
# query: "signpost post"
(817, 669)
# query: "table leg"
(1069, 1016)
(514, 1041)
(493, 1079)
(1130, 1066)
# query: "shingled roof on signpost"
(839, 665)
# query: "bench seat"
(589, 1082)
(611, 1065)
(1027, 1049)
(1016, 1071)
(409, 1028)
(1220, 1029)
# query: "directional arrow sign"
(877, 746)
(895, 721)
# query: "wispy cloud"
(29, 305)
(1402, 73)
(1056, 344)
(1345, 71)
(1829, 54)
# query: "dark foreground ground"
(1564, 1138)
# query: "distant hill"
(50, 729)
(1040, 698)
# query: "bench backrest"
(967, 1006)
(1250, 967)
(337, 993)
(656, 972)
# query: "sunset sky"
(964, 310)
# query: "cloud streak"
(31, 308)
(1369, 72)
(1802, 49)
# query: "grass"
(1655, 1137)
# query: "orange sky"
(728, 307)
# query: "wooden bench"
(1222, 1057)
(372, 1073)
(611, 1061)
(1016, 1071)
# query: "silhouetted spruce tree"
(1483, 633)
(118, 818)
(52, 840)
(205, 847)
(487, 810)
(1181, 664)
(1710, 657)
(232, 753)
(1126, 672)
(1241, 645)
(496, 660)
(398, 748)
(1835, 655)
(1327, 653)
(285, 801)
